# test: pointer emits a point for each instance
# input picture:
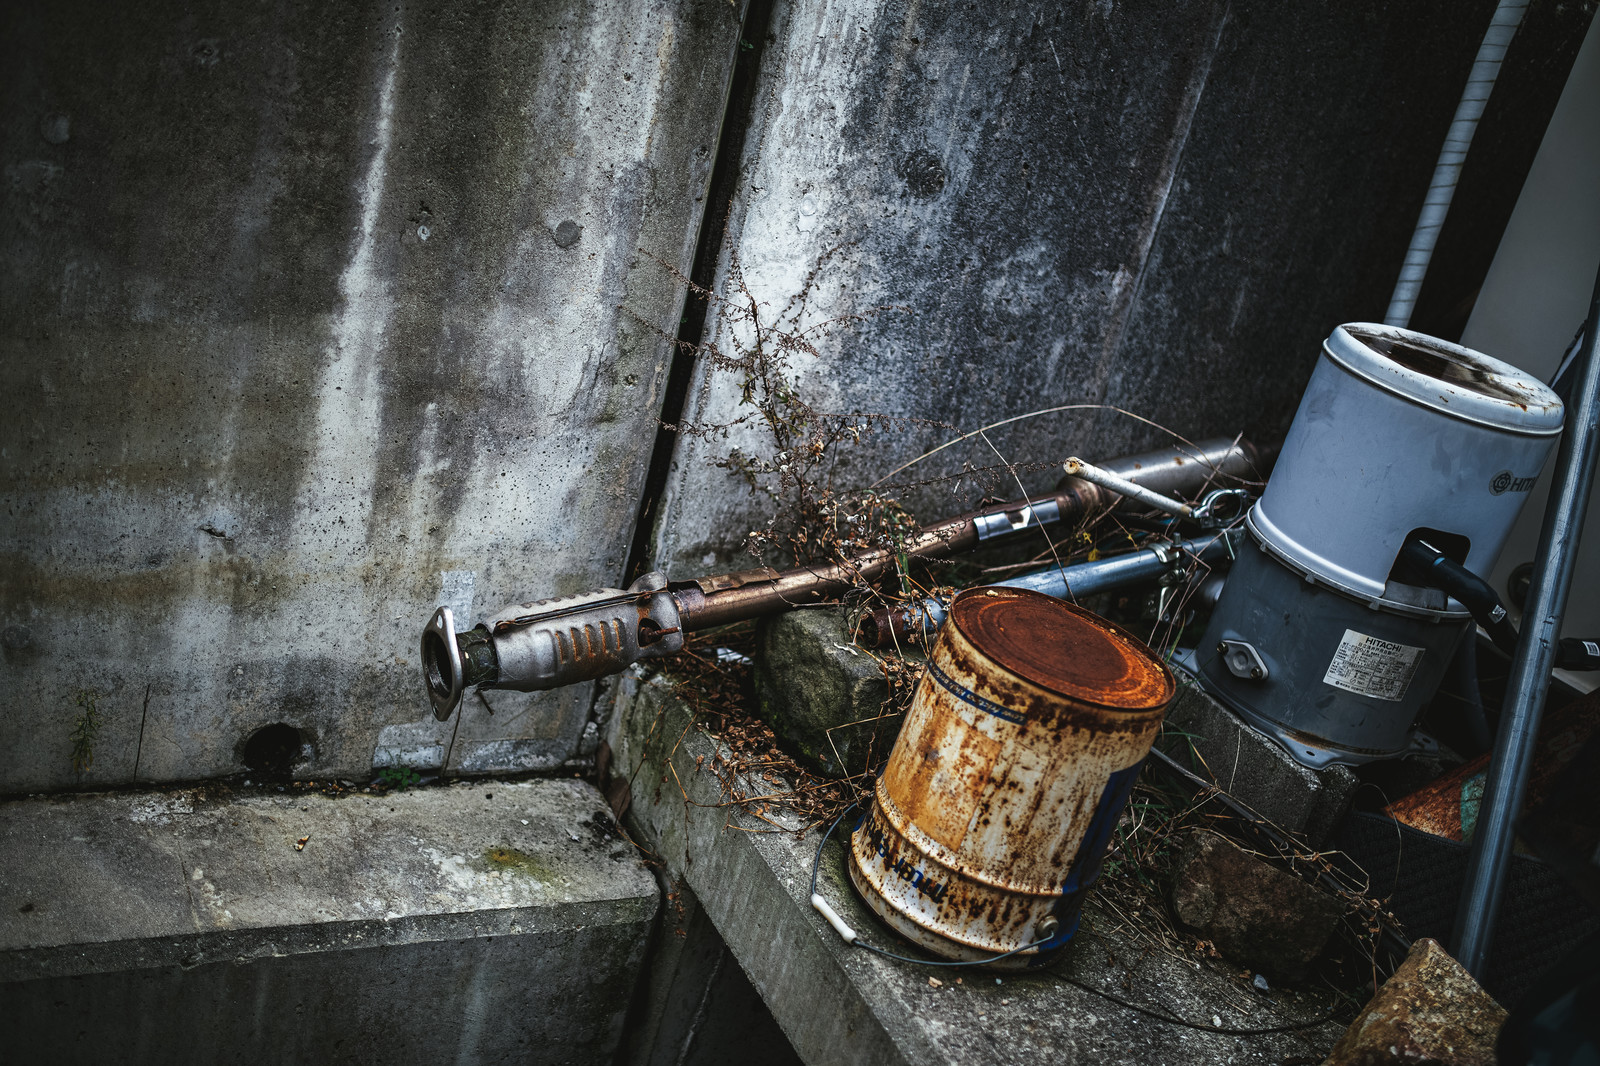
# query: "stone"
(435, 924)
(825, 698)
(1430, 1012)
(1256, 914)
(1254, 769)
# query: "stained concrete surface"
(313, 317)
(840, 1005)
(1164, 208)
(700, 1009)
(474, 923)
(1253, 768)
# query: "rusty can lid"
(1063, 648)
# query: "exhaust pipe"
(550, 643)
(546, 644)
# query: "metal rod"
(1536, 652)
(1076, 467)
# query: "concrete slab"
(1253, 768)
(355, 318)
(483, 923)
(841, 1005)
(1153, 206)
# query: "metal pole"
(1447, 171)
(1536, 651)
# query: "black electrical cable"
(1173, 1019)
(1465, 675)
(1170, 1017)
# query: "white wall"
(1537, 294)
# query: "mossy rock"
(825, 698)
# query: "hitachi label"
(1370, 666)
(1506, 481)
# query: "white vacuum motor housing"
(1399, 431)
(1397, 434)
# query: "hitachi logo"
(1506, 481)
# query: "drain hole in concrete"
(272, 749)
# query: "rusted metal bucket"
(1017, 756)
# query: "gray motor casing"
(1297, 627)
(1313, 639)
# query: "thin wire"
(1169, 1017)
(1036, 414)
(1172, 1019)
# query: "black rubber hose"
(1429, 566)
(1466, 683)
(1575, 653)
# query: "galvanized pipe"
(1076, 467)
(549, 643)
(1536, 652)
(710, 601)
(1447, 171)
(882, 628)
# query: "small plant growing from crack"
(85, 729)
(397, 778)
(757, 344)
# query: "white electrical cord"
(1447, 171)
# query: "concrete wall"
(1162, 208)
(314, 316)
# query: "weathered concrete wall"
(493, 924)
(313, 317)
(1159, 207)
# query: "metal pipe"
(711, 601)
(1447, 171)
(1536, 652)
(917, 621)
(550, 643)
(1105, 479)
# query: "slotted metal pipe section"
(1536, 652)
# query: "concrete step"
(839, 1005)
(485, 922)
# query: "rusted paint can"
(1022, 743)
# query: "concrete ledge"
(840, 1005)
(484, 923)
